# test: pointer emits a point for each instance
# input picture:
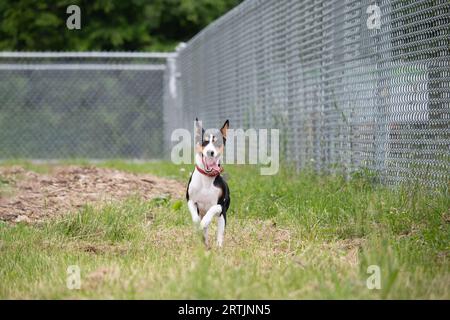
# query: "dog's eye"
(205, 143)
(214, 139)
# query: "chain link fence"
(81, 105)
(344, 95)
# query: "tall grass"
(288, 236)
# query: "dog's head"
(210, 146)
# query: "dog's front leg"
(194, 212)
(213, 211)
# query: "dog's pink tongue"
(213, 164)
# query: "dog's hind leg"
(212, 212)
(220, 230)
(205, 237)
(194, 212)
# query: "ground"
(65, 188)
(290, 236)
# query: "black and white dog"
(207, 193)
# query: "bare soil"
(33, 196)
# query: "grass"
(288, 237)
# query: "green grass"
(288, 237)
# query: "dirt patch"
(35, 196)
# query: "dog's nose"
(210, 153)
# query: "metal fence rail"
(81, 105)
(342, 94)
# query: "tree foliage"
(116, 25)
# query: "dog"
(207, 194)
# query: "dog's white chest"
(203, 192)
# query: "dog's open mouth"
(211, 163)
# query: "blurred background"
(82, 106)
(111, 25)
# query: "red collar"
(213, 173)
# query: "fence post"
(172, 99)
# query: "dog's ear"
(224, 129)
